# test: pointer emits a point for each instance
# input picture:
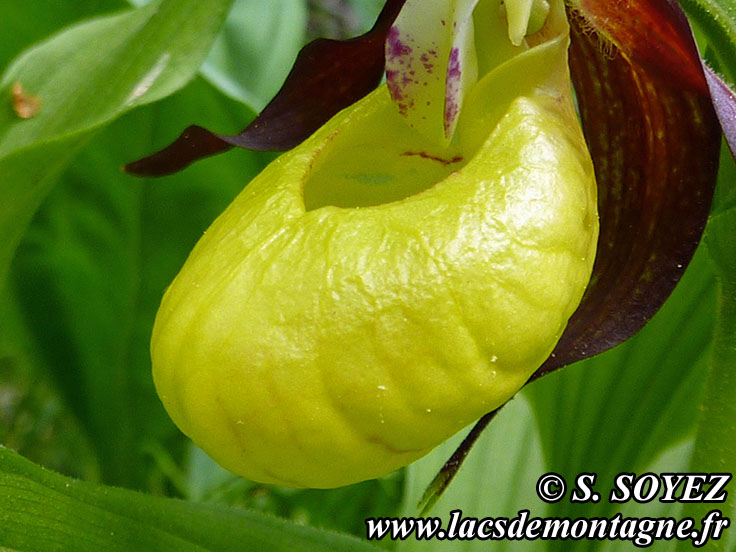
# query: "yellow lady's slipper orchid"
(379, 287)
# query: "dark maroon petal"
(655, 140)
(328, 75)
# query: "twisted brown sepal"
(655, 141)
(327, 76)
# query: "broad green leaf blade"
(717, 21)
(715, 445)
(719, 417)
(92, 268)
(343, 509)
(366, 11)
(84, 77)
(23, 23)
(256, 48)
(725, 197)
(91, 73)
(42, 511)
(674, 459)
(34, 419)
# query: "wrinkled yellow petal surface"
(369, 295)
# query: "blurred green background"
(79, 297)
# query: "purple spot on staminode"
(452, 89)
(395, 47)
(451, 111)
(453, 66)
(394, 88)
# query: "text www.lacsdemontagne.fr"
(641, 532)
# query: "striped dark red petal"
(328, 75)
(655, 140)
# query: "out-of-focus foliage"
(77, 307)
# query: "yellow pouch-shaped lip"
(368, 295)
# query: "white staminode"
(432, 57)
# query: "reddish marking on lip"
(425, 155)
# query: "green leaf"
(42, 511)
(83, 78)
(716, 19)
(343, 509)
(725, 196)
(23, 23)
(714, 22)
(256, 49)
(34, 419)
(366, 12)
(674, 459)
(715, 445)
(93, 266)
